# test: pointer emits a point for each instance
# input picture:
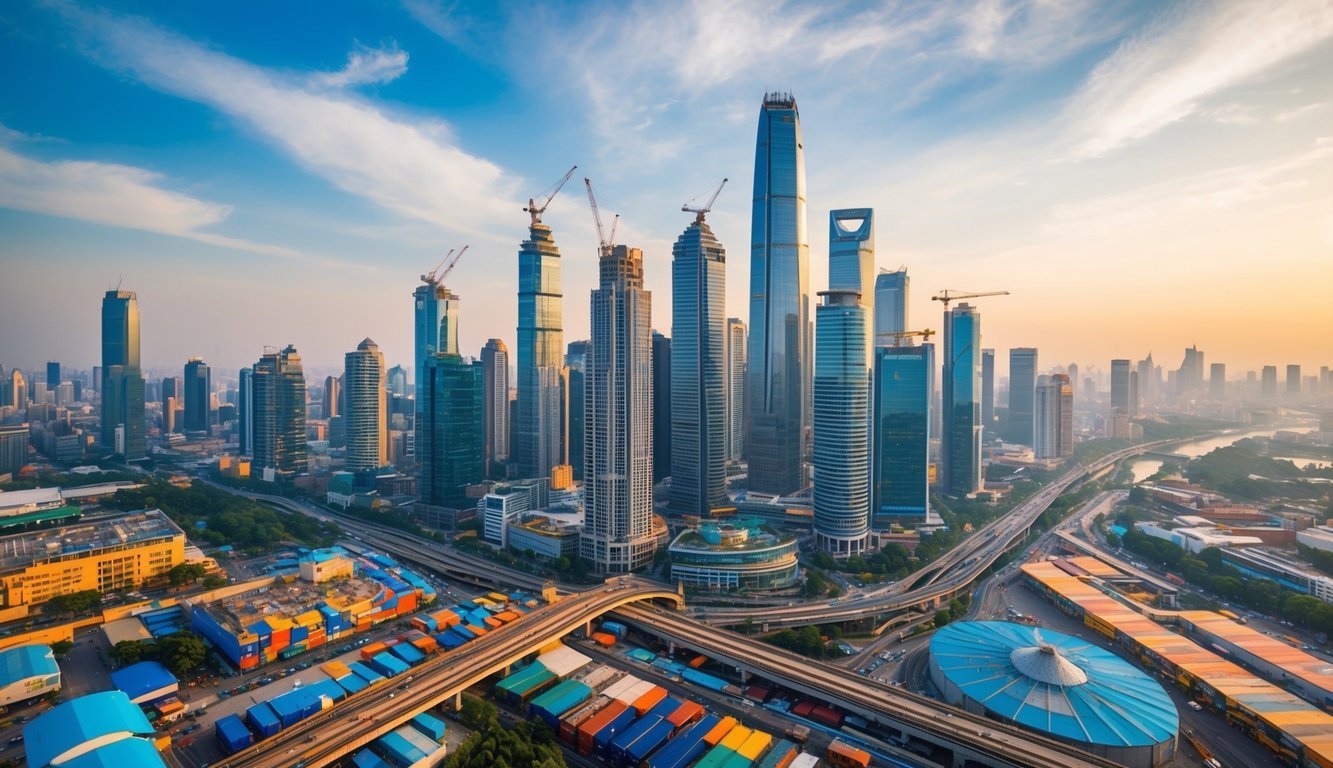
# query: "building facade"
(1120, 388)
(960, 439)
(697, 384)
(778, 371)
(1053, 423)
(1022, 386)
(661, 351)
(540, 428)
(618, 532)
(851, 257)
(900, 471)
(495, 405)
(576, 359)
(450, 445)
(245, 412)
(741, 555)
(366, 420)
(891, 303)
(988, 431)
(842, 450)
(198, 396)
(279, 414)
(737, 336)
(122, 379)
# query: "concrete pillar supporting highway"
(458, 701)
(671, 647)
(745, 675)
(587, 628)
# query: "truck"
(798, 733)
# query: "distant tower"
(540, 428)
(1022, 383)
(1217, 381)
(367, 418)
(661, 351)
(333, 395)
(778, 371)
(900, 427)
(1268, 382)
(891, 303)
(1120, 395)
(842, 449)
(245, 412)
(450, 444)
(52, 375)
(960, 441)
(618, 468)
(435, 325)
(495, 405)
(395, 379)
(988, 431)
(279, 413)
(737, 335)
(851, 256)
(1293, 382)
(576, 359)
(696, 387)
(122, 379)
(198, 393)
(1053, 434)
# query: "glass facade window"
(540, 428)
(961, 438)
(841, 426)
(122, 381)
(900, 477)
(278, 386)
(891, 294)
(1022, 385)
(851, 258)
(449, 434)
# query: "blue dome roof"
(1053, 682)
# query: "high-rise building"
(1293, 382)
(245, 412)
(52, 375)
(172, 386)
(1022, 384)
(198, 395)
(1147, 391)
(1073, 379)
(696, 387)
(988, 431)
(618, 466)
(891, 293)
(17, 391)
(279, 414)
(1268, 382)
(395, 380)
(435, 325)
(737, 335)
(1190, 376)
(661, 351)
(366, 419)
(122, 379)
(1053, 425)
(495, 405)
(576, 359)
(169, 408)
(851, 259)
(900, 433)
(540, 429)
(449, 431)
(960, 438)
(1217, 381)
(842, 441)
(778, 372)
(333, 395)
(1120, 396)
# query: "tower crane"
(535, 210)
(899, 336)
(453, 263)
(708, 206)
(604, 245)
(947, 296)
(435, 276)
(429, 277)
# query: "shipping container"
(780, 756)
(685, 748)
(399, 751)
(430, 725)
(755, 745)
(757, 693)
(353, 683)
(805, 760)
(232, 735)
(569, 725)
(263, 720)
(720, 731)
(704, 679)
(602, 739)
(557, 701)
(649, 699)
(604, 639)
(364, 672)
(615, 628)
(685, 714)
(736, 738)
(525, 684)
(408, 653)
(647, 744)
(334, 669)
(615, 750)
(367, 759)
(844, 755)
(826, 715)
(372, 649)
(590, 727)
(600, 677)
(716, 757)
(698, 661)
(803, 708)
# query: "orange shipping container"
(604, 638)
(841, 753)
(447, 618)
(685, 714)
(506, 616)
(426, 645)
(597, 722)
(698, 661)
(493, 622)
(371, 650)
(719, 731)
(649, 700)
(476, 630)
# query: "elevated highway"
(365, 716)
(972, 739)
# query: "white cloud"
(366, 66)
(410, 167)
(1167, 72)
(115, 195)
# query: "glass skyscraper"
(1053, 431)
(435, 322)
(198, 395)
(576, 359)
(987, 394)
(737, 335)
(900, 472)
(122, 378)
(245, 412)
(279, 414)
(890, 305)
(618, 531)
(1022, 386)
(698, 372)
(1120, 399)
(777, 376)
(495, 405)
(450, 445)
(960, 440)
(540, 431)
(841, 425)
(851, 258)
(661, 407)
(366, 419)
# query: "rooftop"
(69, 729)
(26, 661)
(136, 680)
(739, 534)
(23, 549)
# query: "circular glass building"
(1056, 684)
(742, 554)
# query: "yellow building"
(105, 555)
(562, 477)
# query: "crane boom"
(429, 277)
(706, 207)
(535, 210)
(947, 295)
(899, 336)
(453, 263)
(602, 244)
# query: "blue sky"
(1141, 176)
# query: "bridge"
(363, 717)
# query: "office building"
(576, 359)
(395, 380)
(891, 303)
(245, 412)
(960, 438)
(435, 315)
(52, 375)
(1120, 395)
(1293, 382)
(1189, 377)
(495, 405)
(13, 448)
(1268, 382)
(1217, 381)
(332, 403)
(737, 335)
(618, 533)
(279, 414)
(851, 257)
(198, 392)
(988, 431)
(696, 387)
(1022, 384)
(778, 370)
(743, 553)
(366, 419)
(1073, 379)
(900, 434)
(449, 431)
(841, 425)
(540, 426)
(17, 390)
(122, 379)
(1053, 423)
(661, 351)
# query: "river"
(1145, 468)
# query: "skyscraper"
(366, 420)
(1053, 423)
(436, 326)
(851, 259)
(279, 414)
(541, 376)
(1293, 382)
(17, 391)
(245, 412)
(777, 374)
(495, 405)
(450, 444)
(737, 335)
(891, 303)
(395, 379)
(842, 445)
(198, 395)
(900, 433)
(1190, 376)
(1268, 382)
(661, 351)
(960, 439)
(576, 359)
(52, 375)
(122, 380)
(1217, 381)
(1022, 383)
(618, 466)
(1120, 394)
(333, 395)
(988, 431)
(697, 384)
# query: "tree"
(941, 617)
(477, 713)
(74, 602)
(62, 647)
(181, 652)
(128, 652)
(214, 581)
(185, 573)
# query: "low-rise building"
(26, 672)
(1197, 539)
(503, 505)
(1275, 567)
(741, 554)
(98, 729)
(544, 537)
(1319, 537)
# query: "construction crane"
(604, 245)
(899, 336)
(947, 296)
(435, 276)
(453, 263)
(708, 206)
(429, 277)
(535, 210)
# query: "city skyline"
(1185, 186)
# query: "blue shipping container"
(602, 739)
(432, 726)
(704, 679)
(365, 673)
(232, 734)
(387, 664)
(647, 743)
(623, 740)
(262, 718)
(687, 747)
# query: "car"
(1194, 705)
(16, 740)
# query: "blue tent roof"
(26, 661)
(139, 753)
(142, 678)
(80, 720)
(1053, 682)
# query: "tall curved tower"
(540, 432)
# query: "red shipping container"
(685, 714)
(597, 722)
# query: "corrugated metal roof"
(143, 678)
(26, 661)
(1016, 672)
(563, 661)
(79, 721)
(139, 753)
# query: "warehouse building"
(100, 729)
(26, 672)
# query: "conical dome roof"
(1045, 664)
